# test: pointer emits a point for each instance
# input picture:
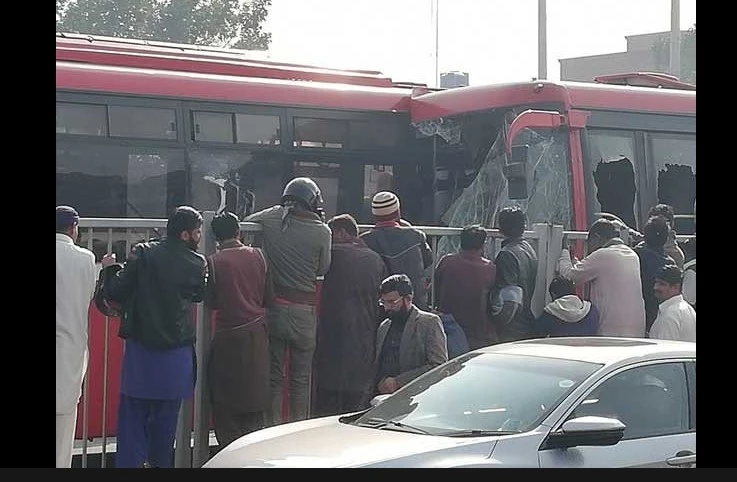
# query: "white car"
(554, 402)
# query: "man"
(652, 257)
(613, 269)
(676, 318)
(409, 342)
(157, 287)
(567, 314)
(670, 247)
(516, 274)
(75, 286)
(463, 283)
(297, 246)
(239, 355)
(346, 336)
(689, 272)
(403, 248)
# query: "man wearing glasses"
(409, 341)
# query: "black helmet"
(304, 190)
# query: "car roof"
(603, 350)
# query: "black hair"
(656, 231)
(664, 210)
(604, 228)
(184, 218)
(473, 237)
(671, 274)
(560, 287)
(225, 226)
(345, 222)
(397, 282)
(512, 221)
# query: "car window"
(489, 392)
(650, 400)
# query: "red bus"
(143, 127)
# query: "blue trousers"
(146, 432)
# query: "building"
(641, 56)
(450, 80)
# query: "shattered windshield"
(470, 163)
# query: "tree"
(221, 23)
(688, 55)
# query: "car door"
(654, 403)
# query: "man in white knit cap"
(403, 248)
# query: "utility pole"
(542, 34)
(675, 38)
(437, 42)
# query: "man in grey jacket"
(409, 342)
(297, 248)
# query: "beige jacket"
(423, 346)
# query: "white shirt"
(75, 287)
(688, 289)
(676, 321)
(616, 290)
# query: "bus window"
(611, 175)
(240, 181)
(325, 133)
(258, 129)
(674, 162)
(212, 127)
(119, 181)
(81, 119)
(142, 122)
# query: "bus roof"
(211, 60)
(572, 95)
(83, 77)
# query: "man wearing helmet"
(297, 248)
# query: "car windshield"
(481, 394)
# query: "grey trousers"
(292, 328)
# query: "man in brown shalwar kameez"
(239, 357)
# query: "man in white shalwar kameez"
(75, 287)
(613, 270)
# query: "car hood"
(325, 442)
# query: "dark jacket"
(463, 283)
(516, 265)
(567, 316)
(651, 260)
(157, 286)
(404, 249)
(349, 318)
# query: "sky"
(492, 40)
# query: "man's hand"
(388, 385)
(108, 260)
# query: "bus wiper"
(381, 423)
(477, 433)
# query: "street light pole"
(675, 38)
(542, 49)
(437, 43)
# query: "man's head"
(185, 223)
(656, 232)
(600, 232)
(67, 221)
(396, 295)
(343, 227)
(668, 282)
(473, 238)
(303, 192)
(385, 206)
(225, 227)
(664, 210)
(512, 222)
(560, 287)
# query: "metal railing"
(193, 436)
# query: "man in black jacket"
(157, 287)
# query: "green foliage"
(221, 23)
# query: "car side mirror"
(378, 399)
(586, 431)
(516, 173)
